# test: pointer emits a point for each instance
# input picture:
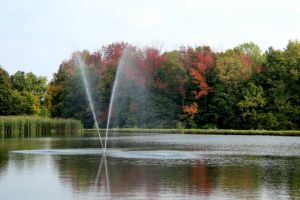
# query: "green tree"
(4, 78)
(19, 81)
(75, 102)
(56, 88)
(232, 70)
(281, 85)
(32, 88)
(252, 106)
(232, 67)
(253, 51)
(224, 111)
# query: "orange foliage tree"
(198, 62)
(191, 109)
(203, 64)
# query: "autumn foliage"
(191, 109)
(240, 88)
(199, 69)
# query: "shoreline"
(202, 131)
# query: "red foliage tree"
(198, 62)
(112, 53)
(151, 63)
(204, 62)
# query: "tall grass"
(33, 126)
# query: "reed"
(33, 126)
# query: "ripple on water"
(153, 154)
(157, 154)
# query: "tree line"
(240, 88)
(22, 94)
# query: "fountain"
(120, 70)
(128, 89)
(115, 85)
(126, 56)
(129, 81)
(82, 66)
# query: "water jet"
(82, 66)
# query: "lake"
(151, 166)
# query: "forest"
(192, 87)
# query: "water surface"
(151, 166)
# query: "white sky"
(37, 35)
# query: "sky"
(37, 35)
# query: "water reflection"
(202, 179)
(7, 145)
(127, 178)
(98, 182)
(212, 176)
(3, 162)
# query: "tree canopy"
(22, 93)
(194, 87)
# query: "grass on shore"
(203, 131)
(34, 126)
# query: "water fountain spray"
(81, 65)
(120, 69)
